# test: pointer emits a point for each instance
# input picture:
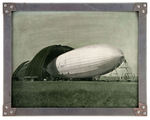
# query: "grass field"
(74, 94)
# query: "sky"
(33, 31)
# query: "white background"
(71, 117)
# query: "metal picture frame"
(140, 8)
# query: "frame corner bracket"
(141, 8)
(8, 111)
(8, 8)
(141, 110)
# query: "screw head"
(6, 11)
(5, 5)
(5, 113)
(143, 107)
(6, 107)
(144, 5)
(138, 6)
(143, 11)
(11, 112)
(144, 113)
(138, 112)
(11, 6)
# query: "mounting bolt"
(5, 113)
(138, 112)
(11, 6)
(6, 11)
(144, 5)
(138, 6)
(6, 107)
(144, 113)
(11, 112)
(143, 107)
(143, 11)
(5, 5)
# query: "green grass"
(74, 94)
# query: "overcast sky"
(33, 31)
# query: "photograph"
(75, 59)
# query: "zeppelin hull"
(88, 61)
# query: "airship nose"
(113, 52)
(118, 52)
(119, 55)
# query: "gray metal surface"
(121, 7)
(142, 59)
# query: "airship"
(87, 61)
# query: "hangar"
(36, 68)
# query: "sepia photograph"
(75, 59)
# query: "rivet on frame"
(6, 107)
(143, 11)
(138, 112)
(6, 11)
(138, 6)
(144, 5)
(144, 113)
(5, 5)
(5, 113)
(11, 6)
(143, 107)
(11, 112)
